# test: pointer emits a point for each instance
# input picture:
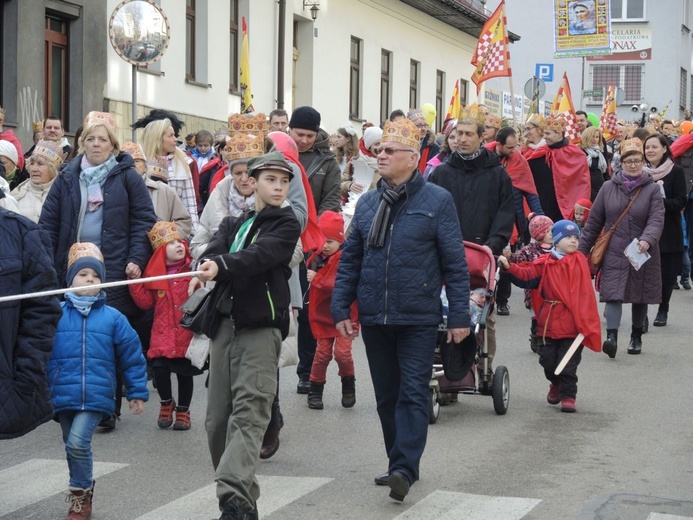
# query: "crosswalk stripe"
(663, 516)
(38, 479)
(448, 505)
(203, 504)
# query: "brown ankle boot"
(80, 503)
(182, 419)
(166, 414)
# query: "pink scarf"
(660, 171)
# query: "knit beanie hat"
(564, 228)
(539, 225)
(81, 256)
(372, 135)
(331, 225)
(8, 150)
(306, 118)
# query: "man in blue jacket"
(404, 242)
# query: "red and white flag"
(492, 57)
(609, 118)
(563, 107)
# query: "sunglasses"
(389, 150)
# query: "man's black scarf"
(376, 235)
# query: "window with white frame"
(629, 77)
(628, 9)
(691, 105)
(683, 89)
(414, 83)
(385, 83)
(355, 79)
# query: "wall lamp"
(314, 8)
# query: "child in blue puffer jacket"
(91, 341)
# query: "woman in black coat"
(672, 182)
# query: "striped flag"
(563, 106)
(454, 108)
(246, 95)
(492, 57)
(609, 118)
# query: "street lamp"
(314, 8)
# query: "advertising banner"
(581, 28)
(628, 42)
(492, 100)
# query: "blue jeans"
(78, 429)
(400, 358)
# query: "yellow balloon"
(429, 113)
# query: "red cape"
(517, 167)
(585, 203)
(571, 175)
(321, 323)
(311, 238)
(218, 177)
(157, 267)
(681, 145)
(571, 282)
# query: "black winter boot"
(348, 391)
(315, 395)
(635, 345)
(611, 344)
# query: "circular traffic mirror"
(139, 31)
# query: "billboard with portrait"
(581, 28)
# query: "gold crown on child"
(83, 250)
(162, 233)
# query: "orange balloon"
(686, 127)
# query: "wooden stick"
(100, 286)
(569, 354)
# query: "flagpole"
(510, 77)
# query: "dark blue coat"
(127, 216)
(82, 369)
(400, 283)
(27, 327)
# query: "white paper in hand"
(634, 256)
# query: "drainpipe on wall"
(281, 35)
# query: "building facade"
(651, 60)
(353, 60)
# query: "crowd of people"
(291, 230)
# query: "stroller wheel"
(501, 390)
(433, 407)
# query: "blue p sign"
(544, 71)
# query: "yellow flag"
(246, 95)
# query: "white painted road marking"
(203, 504)
(38, 479)
(662, 516)
(448, 505)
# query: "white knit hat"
(8, 150)
(373, 134)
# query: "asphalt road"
(626, 454)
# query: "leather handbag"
(194, 310)
(598, 251)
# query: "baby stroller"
(463, 368)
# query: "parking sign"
(544, 71)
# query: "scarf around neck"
(238, 204)
(83, 304)
(198, 155)
(242, 234)
(93, 177)
(381, 221)
(593, 152)
(630, 182)
(660, 171)
(470, 156)
(556, 253)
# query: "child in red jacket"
(566, 307)
(322, 273)
(169, 341)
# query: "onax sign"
(628, 42)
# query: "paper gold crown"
(536, 120)
(629, 146)
(157, 169)
(101, 118)
(494, 121)
(244, 146)
(49, 152)
(402, 131)
(134, 149)
(83, 250)
(36, 127)
(556, 123)
(243, 123)
(471, 115)
(162, 233)
(2, 114)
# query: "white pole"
(569, 354)
(99, 286)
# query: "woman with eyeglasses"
(672, 183)
(617, 281)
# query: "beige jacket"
(168, 206)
